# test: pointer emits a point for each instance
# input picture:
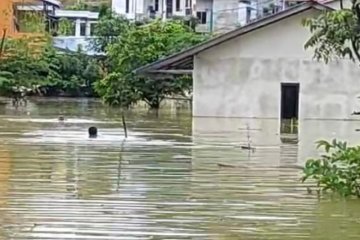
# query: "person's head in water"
(92, 132)
(61, 118)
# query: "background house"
(34, 18)
(82, 24)
(213, 15)
(263, 71)
(13, 18)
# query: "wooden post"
(2, 42)
(124, 125)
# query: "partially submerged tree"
(46, 69)
(138, 46)
(336, 33)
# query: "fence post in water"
(124, 125)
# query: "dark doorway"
(289, 101)
(169, 8)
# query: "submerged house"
(262, 70)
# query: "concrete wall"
(242, 77)
(136, 7)
(226, 15)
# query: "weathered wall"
(226, 15)
(6, 14)
(242, 77)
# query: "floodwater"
(174, 177)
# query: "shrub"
(337, 171)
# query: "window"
(202, 17)
(156, 5)
(127, 6)
(188, 3)
(177, 5)
(82, 29)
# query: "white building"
(262, 70)
(82, 23)
(213, 15)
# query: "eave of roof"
(152, 67)
(53, 2)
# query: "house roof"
(53, 2)
(187, 55)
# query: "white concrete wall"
(136, 8)
(226, 15)
(242, 77)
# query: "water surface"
(174, 177)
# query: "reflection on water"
(173, 178)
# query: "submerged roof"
(189, 53)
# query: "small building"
(82, 23)
(13, 15)
(262, 70)
(17, 21)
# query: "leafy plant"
(66, 27)
(108, 29)
(31, 22)
(46, 69)
(137, 46)
(338, 170)
(335, 34)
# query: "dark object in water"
(61, 118)
(92, 132)
(355, 113)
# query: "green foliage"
(116, 91)
(137, 46)
(335, 34)
(108, 29)
(54, 73)
(338, 170)
(79, 5)
(31, 22)
(66, 27)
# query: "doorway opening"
(289, 107)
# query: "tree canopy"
(336, 34)
(136, 46)
(43, 68)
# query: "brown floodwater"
(174, 177)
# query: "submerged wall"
(242, 77)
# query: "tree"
(45, 69)
(108, 29)
(138, 46)
(336, 34)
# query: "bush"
(337, 171)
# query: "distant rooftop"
(53, 2)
